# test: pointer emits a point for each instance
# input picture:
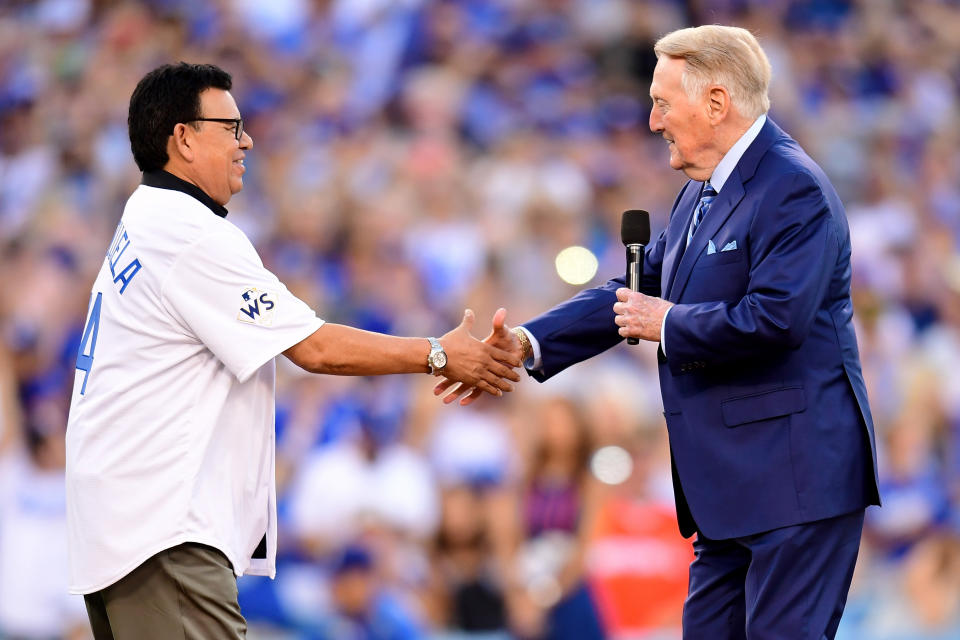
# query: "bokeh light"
(576, 265)
(611, 465)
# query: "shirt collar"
(165, 180)
(729, 161)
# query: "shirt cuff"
(663, 332)
(534, 362)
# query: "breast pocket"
(719, 258)
(718, 277)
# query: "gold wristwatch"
(525, 347)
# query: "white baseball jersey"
(171, 431)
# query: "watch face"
(439, 360)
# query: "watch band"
(525, 347)
(436, 351)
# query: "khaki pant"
(187, 592)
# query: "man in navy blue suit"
(747, 291)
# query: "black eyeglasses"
(236, 122)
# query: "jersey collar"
(165, 180)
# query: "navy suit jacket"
(763, 394)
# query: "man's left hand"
(638, 315)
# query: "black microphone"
(635, 234)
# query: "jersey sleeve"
(235, 306)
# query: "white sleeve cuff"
(534, 362)
(663, 332)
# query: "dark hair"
(167, 95)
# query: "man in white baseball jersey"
(170, 439)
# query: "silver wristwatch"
(437, 359)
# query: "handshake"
(471, 367)
(474, 367)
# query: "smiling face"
(214, 157)
(220, 156)
(687, 124)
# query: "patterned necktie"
(706, 198)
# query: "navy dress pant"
(785, 584)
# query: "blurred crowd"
(416, 157)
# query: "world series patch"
(257, 307)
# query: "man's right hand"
(500, 338)
(482, 366)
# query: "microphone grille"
(635, 227)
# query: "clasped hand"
(505, 349)
(479, 366)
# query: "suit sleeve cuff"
(663, 333)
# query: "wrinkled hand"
(638, 315)
(482, 366)
(500, 338)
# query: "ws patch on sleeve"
(257, 307)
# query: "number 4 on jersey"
(85, 360)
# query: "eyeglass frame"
(236, 122)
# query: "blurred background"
(415, 157)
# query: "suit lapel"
(677, 236)
(726, 201)
(681, 260)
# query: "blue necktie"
(706, 198)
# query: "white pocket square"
(730, 246)
(711, 248)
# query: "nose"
(246, 141)
(656, 121)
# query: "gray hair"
(727, 56)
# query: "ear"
(718, 104)
(182, 142)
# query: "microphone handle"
(634, 271)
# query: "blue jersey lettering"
(90, 333)
(127, 274)
(253, 308)
(117, 248)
